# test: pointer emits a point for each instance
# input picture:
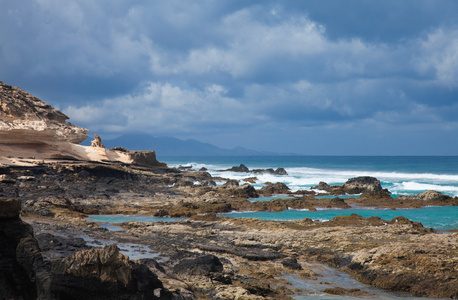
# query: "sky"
(328, 77)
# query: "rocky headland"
(49, 185)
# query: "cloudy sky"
(322, 77)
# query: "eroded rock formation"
(32, 130)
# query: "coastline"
(255, 254)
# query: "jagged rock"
(97, 142)
(107, 264)
(105, 274)
(246, 190)
(32, 129)
(25, 119)
(274, 188)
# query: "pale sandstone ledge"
(32, 130)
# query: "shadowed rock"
(199, 266)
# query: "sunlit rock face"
(25, 119)
(31, 129)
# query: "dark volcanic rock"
(291, 263)
(241, 168)
(199, 266)
(274, 188)
(246, 191)
(23, 273)
(280, 171)
(364, 184)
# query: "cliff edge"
(32, 130)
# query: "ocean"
(401, 175)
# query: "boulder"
(199, 266)
(107, 263)
(364, 184)
(280, 171)
(274, 189)
(10, 207)
(322, 186)
(104, 273)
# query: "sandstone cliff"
(32, 130)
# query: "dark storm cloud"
(210, 69)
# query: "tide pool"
(439, 218)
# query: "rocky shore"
(211, 257)
(51, 251)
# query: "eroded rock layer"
(31, 129)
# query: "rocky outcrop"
(32, 130)
(241, 168)
(145, 158)
(364, 184)
(244, 169)
(97, 142)
(358, 185)
(107, 264)
(105, 273)
(426, 196)
(274, 189)
(25, 119)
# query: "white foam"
(304, 178)
(401, 187)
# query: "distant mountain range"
(169, 146)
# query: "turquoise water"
(402, 175)
(440, 218)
